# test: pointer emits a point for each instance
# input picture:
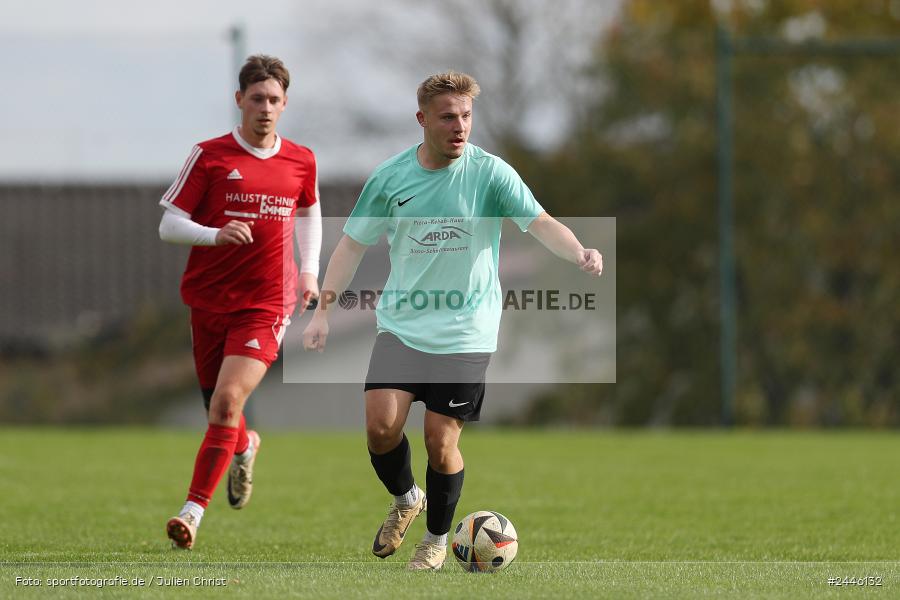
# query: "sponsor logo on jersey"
(256, 198)
(234, 175)
(272, 207)
(445, 233)
(237, 213)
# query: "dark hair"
(260, 67)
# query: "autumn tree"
(817, 214)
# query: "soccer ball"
(485, 542)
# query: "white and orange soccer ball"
(485, 542)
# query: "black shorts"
(448, 384)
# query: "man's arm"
(177, 227)
(308, 236)
(341, 269)
(560, 240)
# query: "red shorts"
(254, 333)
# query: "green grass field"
(605, 514)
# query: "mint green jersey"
(443, 293)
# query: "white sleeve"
(308, 233)
(177, 227)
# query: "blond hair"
(449, 82)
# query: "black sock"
(443, 493)
(207, 396)
(394, 468)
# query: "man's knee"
(227, 403)
(441, 448)
(382, 435)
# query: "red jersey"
(226, 179)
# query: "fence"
(79, 258)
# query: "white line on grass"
(518, 562)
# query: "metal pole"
(727, 48)
(238, 38)
(727, 284)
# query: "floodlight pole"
(727, 47)
(237, 35)
(727, 279)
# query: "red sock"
(212, 460)
(243, 442)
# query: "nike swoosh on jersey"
(405, 201)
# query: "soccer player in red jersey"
(235, 202)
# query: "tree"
(528, 55)
(816, 215)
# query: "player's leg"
(386, 412)
(238, 377)
(243, 442)
(242, 448)
(208, 334)
(255, 334)
(443, 484)
(453, 397)
(387, 406)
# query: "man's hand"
(308, 289)
(235, 232)
(316, 332)
(560, 240)
(591, 261)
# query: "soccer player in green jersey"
(440, 204)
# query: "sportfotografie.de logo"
(514, 300)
